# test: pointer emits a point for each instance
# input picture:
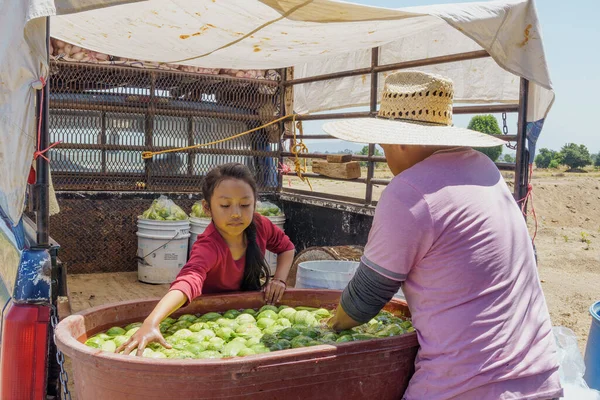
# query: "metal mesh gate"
(106, 116)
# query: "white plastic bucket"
(328, 274)
(271, 258)
(197, 227)
(162, 249)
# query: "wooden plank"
(339, 158)
(349, 170)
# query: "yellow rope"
(149, 154)
(295, 149)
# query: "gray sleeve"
(367, 293)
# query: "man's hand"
(341, 321)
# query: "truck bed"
(91, 290)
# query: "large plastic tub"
(377, 369)
(592, 352)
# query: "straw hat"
(416, 109)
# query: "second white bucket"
(162, 249)
(328, 274)
(271, 258)
(198, 226)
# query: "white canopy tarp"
(315, 37)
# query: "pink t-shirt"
(450, 229)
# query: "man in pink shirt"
(448, 230)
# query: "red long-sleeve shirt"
(211, 267)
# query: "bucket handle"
(143, 259)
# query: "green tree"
(545, 157)
(575, 156)
(597, 160)
(365, 152)
(487, 124)
(554, 164)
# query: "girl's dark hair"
(256, 267)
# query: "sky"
(571, 37)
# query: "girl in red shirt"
(228, 256)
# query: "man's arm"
(366, 294)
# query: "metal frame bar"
(355, 157)
(149, 129)
(520, 168)
(103, 140)
(212, 79)
(191, 156)
(522, 156)
(58, 104)
(328, 196)
(282, 112)
(390, 67)
(372, 110)
(507, 138)
(200, 150)
(42, 185)
(480, 109)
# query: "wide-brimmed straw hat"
(416, 109)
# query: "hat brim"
(385, 131)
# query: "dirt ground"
(568, 245)
(567, 206)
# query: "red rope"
(40, 153)
(529, 197)
(284, 169)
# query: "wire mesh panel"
(107, 116)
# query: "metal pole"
(473, 55)
(373, 110)
(149, 130)
(282, 112)
(42, 166)
(488, 109)
(522, 162)
(191, 157)
(103, 139)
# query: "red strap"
(39, 152)
(529, 198)
(31, 178)
(284, 169)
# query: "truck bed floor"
(91, 290)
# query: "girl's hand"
(147, 334)
(274, 291)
